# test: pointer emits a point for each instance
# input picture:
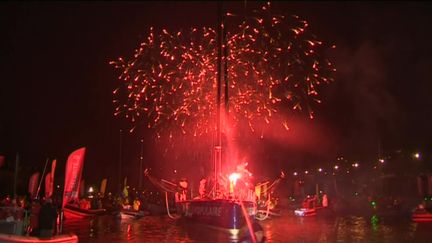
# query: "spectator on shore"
(47, 219)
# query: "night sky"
(56, 85)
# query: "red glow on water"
(129, 232)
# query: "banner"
(74, 167)
(49, 180)
(33, 184)
(2, 160)
(429, 184)
(48, 185)
(103, 187)
(53, 167)
(125, 189)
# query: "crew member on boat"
(202, 188)
(181, 194)
(136, 204)
(308, 202)
(324, 200)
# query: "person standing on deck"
(325, 201)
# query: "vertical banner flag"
(125, 190)
(2, 160)
(103, 187)
(48, 185)
(429, 177)
(33, 184)
(53, 167)
(49, 181)
(74, 167)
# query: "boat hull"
(221, 213)
(66, 238)
(127, 214)
(422, 217)
(225, 216)
(305, 212)
(75, 212)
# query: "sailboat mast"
(141, 165)
(120, 162)
(218, 145)
(225, 60)
(16, 175)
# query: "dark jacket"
(47, 216)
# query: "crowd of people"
(36, 217)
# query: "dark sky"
(56, 83)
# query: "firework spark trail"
(274, 65)
(170, 80)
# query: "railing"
(14, 220)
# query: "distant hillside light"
(416, 155)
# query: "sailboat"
(230, 209)
(71, 203)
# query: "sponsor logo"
(204, 211)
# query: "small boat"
(64, 238)
(305, 212)
(131, 214)
(71, 204)
(421, 216)
(71, 211)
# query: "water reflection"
(287, 228)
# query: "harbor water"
(285, 228)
